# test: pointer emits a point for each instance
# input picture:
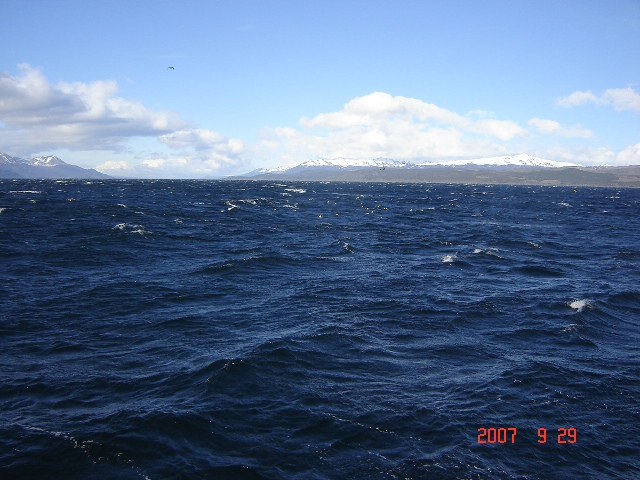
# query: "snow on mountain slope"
(4, 158)
(340, 163)
(47, 166)
(45, 161)
(352, 163)
(520, 160)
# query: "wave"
(579, 305)
(132, 228)
(257, 262)
(280, 340)
(539, 271)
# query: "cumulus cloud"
(501, 129)
(622, 99)
(629, 156)
(211, 149)
(382, 125)
(118, 166)
(38, 115)
(195, 153)
(379, 108)
(31, 100)
(204, 140)
(589, 155)
(555, 128)
(576, 99)
(373, 108)
(618, 98)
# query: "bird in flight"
(171, 68)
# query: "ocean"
(263, 330)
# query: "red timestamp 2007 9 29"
(508, 435)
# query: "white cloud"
(622, 99)
(618, 98)
(379, 108)
(204, 140)
(38, 116)
(629, 156)
(371, 109)
(502, 129)
(155, 162)
(555, 128)
(586, 155)
(115, 166)
(576, 99)
(181, 165)
(382, 125)
(211, 149)
(194, 153)
(545, 126)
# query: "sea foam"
(579, 305)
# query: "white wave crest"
(125, 227)
(579, 305)
(572, 327)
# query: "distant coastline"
(627, 176)
(51, 167)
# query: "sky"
(268, 83)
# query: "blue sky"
(269, 83)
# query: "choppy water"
(211, 329)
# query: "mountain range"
(520, 160)
(43, 167)
(521, 169)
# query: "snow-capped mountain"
(353, 163)
(47, 161)
(520, 160)
(521, 169)
(43, 167)
(341, 164)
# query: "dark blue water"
(222, 330)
